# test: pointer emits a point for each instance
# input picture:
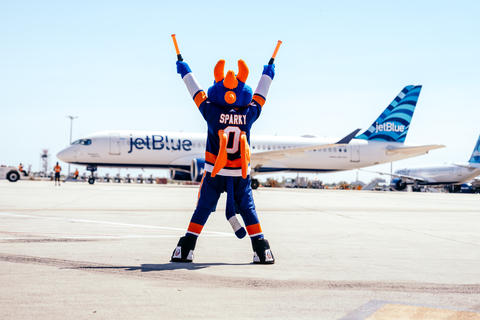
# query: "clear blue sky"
(112, 64)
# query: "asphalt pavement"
(82, 251)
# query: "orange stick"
(275, 52)
(179, 56)
(276, 49)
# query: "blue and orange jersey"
(230, 119)
(233, 121)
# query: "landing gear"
(92, 169)
(255, 184)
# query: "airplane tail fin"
(475, 158)
(394, 122)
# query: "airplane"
(455, 173)
(184, 153)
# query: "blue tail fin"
(394, 122)
(475, 158)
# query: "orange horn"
(242, 71)
(218, 71)
(230, 81)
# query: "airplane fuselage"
(448, 173)
(174, 150)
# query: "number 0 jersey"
(232, 120)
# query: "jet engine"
(196, 169)
(180, 175)
(398, 184)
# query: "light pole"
(71, 125)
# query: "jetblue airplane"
(184, 153)
(438, 174)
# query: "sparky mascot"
(230, 108)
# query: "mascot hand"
(183, 68)
(269, 70)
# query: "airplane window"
(253, 147)
(77, 142)
(87, 142)
(274, 147)
(263, 147)
(334, 149)
(339, 150)
(329, 149)
(284, 147)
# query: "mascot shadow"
(166, 266)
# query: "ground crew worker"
(75, 175)
(57, 174)
(20, 168)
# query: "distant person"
(20, 168)
(57, 169)
(75, 175)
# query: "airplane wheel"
(13, 176)
(91, 180)
(255, 184)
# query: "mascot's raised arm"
(230, 108)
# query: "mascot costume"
(230, 108)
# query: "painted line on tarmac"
(113, 223)
(379, 309)
(103, 237)
(295, 209)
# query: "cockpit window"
(86, 142)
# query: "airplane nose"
(66, 155)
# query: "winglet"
(349, 137)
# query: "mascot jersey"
(234, 118)
(230, 109)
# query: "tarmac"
(103, 251)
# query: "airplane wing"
(414, 150)
(402, 176)
(468, 167)
(261, 157)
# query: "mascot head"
(230, 90)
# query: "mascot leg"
(244, 199)
(208, 198)
(230, 210)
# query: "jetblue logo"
(476, 153)
(389, 127)
(158, 142)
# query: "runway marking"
(388, 310)
(259, 209)
(99, 237)
(115, 223)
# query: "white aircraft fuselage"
(439, 174)
(174, 150)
